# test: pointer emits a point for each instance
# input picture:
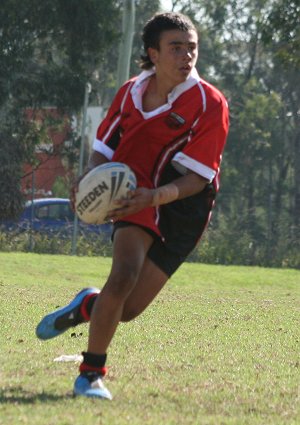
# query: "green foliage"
(61, 188)
(145, 9)
(17, 142)
(48, 50)
(283, 29)
(106, 72)
(57, 243)
(232, 245)
(249, 49)
(221, 244)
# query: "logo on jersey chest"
(174, 121)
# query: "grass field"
(219, 346)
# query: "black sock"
(93, 365)
(94, 360)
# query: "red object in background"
(50, 164)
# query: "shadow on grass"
(17, 395)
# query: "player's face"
(177, 55)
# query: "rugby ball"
(99, 188)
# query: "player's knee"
(122, 281)
(130, 314)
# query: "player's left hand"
(137, 200)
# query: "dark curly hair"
(155, 26)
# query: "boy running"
(170, 127)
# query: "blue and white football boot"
(57, 322)
(91, 385)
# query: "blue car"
(52, 216)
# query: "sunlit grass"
(219, 346)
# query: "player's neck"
(161, 87)
(156, 94)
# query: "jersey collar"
(140, 86)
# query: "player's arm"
(142, 197)
(95, 159)
(180, 188)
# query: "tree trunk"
(125, 48)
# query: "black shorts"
(181, 223)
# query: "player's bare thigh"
(130, 248)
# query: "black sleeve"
(114, 140)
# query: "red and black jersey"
(189, 131)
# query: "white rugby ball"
(99, 188)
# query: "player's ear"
(153, 54)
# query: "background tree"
(107, 84)
(48, 50)
(281, 34)
(250, 50)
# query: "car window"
(65, 212)
(41, 212)
(55, 212)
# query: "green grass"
(219, 346)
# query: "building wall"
(48, 154)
